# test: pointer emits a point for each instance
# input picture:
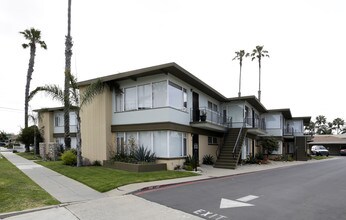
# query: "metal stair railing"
(236, 143)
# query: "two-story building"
(51, 124)
(172, 113)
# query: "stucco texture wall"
(96, 133)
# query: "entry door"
(195, 143)
(195, 106)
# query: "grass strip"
(19, 192)
(104, 179)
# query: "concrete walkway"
(85, 203)
(62, 188)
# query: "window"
(159, 94)
(212, 140)
(175, 96)
(119, 102)
(210, 105)
(185, 99)
(160, 143)
(144, 96)
(175, 144)
(59, 120)
(73, 119)
(144, 139)
(130, 99)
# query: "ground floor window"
(61, 142)
(162, 143)
(212, 140)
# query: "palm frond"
(54, 91)
(91, 91)
(43, 44)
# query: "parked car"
(319, 150)
(2, 144)
(343, 151)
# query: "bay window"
(164, 144)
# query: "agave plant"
(142, 154)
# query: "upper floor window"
(151, 95)
(212, 106)
(159, 94)
(59, 122)
(144, 96)
(130, 98)
(177, 96)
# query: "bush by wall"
(69, 158)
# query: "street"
(310, 191)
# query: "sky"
(306, 41)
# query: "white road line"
(247, 198)
(227, 203)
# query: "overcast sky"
(306, 40)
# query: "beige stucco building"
(174, 114)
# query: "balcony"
(254, 125)
(208, 119)
(292, 132)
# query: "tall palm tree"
(338, 122)
(239, 56)
(258, 53)
(68, 55)
(33, 36)
(77, 101)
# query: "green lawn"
(29, 155)
(104, 179)
(19, 192)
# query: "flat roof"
(168, 68)
(252, 100)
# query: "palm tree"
(239, 56)
(68, 55)
(34, 37)
(311, 128)
(321, 124)
(77, 101)
(258, 53)
(338, 122)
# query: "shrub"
(208, 159)
(259, 156)
(69, 158)
(190, 161)
(96, 163)
(269, 144)
(142, 154)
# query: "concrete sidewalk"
(62, 188)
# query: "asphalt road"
(311, 191)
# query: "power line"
(11, 109)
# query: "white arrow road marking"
(226, 203)
(247, 198)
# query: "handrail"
(236, 143)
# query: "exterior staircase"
(226, 158)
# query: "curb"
(10, 214)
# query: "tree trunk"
(259, 81)
(239, 94)
(27, 87)
(79, 142)
(68, 55)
